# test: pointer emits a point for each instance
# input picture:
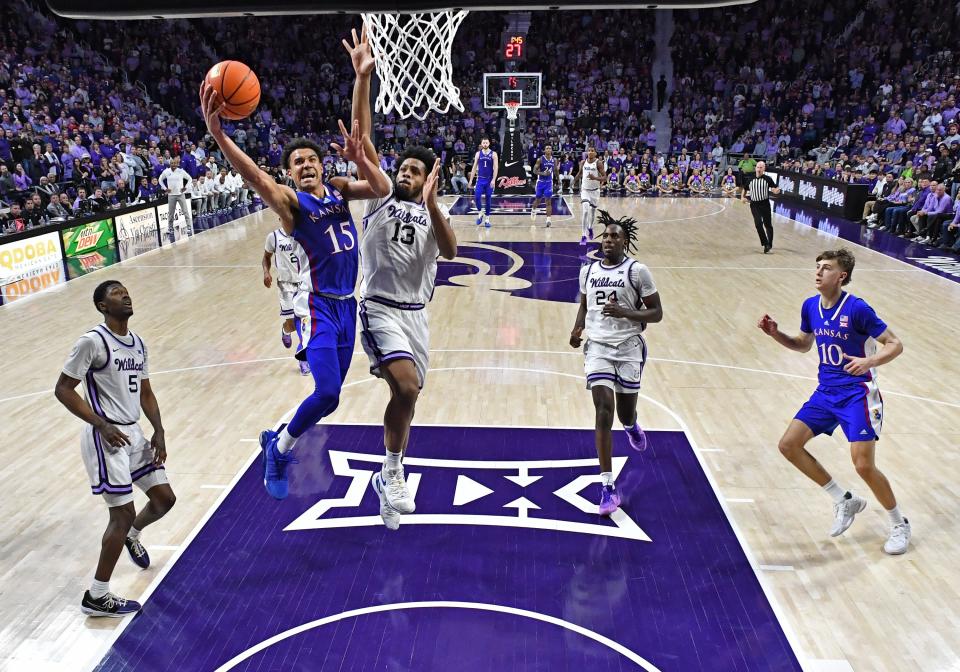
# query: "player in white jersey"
(403, 234)
(290, 259)
(617, 300)
(111, 361)
(590, 175)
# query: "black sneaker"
(766, 249)
(109, 605)
(137, 552)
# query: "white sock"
(834, 491)
(99, 588)
(606, 477)
(285, 444)
(134, 534)
(548, 220)
(392, 461)
(633, 429)
(896, 518)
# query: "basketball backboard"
(502, 87)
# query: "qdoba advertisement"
(30, 266)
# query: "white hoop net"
(512, 108)
(413, 53)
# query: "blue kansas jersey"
(324, 228)
(546, 164)
(848, 328)
(485, 165)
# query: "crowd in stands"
(842, 89)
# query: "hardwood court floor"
(221, 376)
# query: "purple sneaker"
(137, 552)
(286, 338)
(590, 233)
(304, 369)
(609, 500)
(583, 240)
(637, 438)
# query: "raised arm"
(280, 197)
(446, 238)
(372, 182)
(361, 55)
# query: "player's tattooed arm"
(576, 336)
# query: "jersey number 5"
(408, 232)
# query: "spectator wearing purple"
(937, 209)
(895, 219)
(21, 181)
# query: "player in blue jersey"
(846, 331)
(484, 171)
(546, 171)
(317, 215)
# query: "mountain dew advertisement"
(86, 238)
(89, 247)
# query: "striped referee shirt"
(760, 188)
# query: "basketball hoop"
(413, 53)
(513, 108)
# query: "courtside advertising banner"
(137, 232)
(180, 228)
(30, 266)
(89, 247)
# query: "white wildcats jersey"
(289, 256)
(111, 368)
(629, 281)
(398, 251)
(590, 176)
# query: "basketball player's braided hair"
(628, 224)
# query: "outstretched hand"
(361, 55)
(768, 325)
(211, 107)
(430, 184)
(352, 148)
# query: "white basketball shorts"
(618, 367)
(592, 197)
(114, 471)
(389, 333)
(288, 290)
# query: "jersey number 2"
(603, 297)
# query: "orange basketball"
(238, 87)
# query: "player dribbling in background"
(845, 329)
(617, 300)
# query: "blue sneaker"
(275, 464)
(486, 221)
(609, 500)
(109, 605)
(479, 220)
(137, 552)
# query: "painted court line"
(776, 568)
(712, 450)
(735, 500)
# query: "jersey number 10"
(831, 355)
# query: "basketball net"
(414, 61)
(512, 108)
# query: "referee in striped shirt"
(759, 189)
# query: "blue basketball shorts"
(544, 189)
(857, 409)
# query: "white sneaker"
(899, 539)
(548, 222)
(396, 492)
(844, 512)
(390, 516)
(533, 215)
